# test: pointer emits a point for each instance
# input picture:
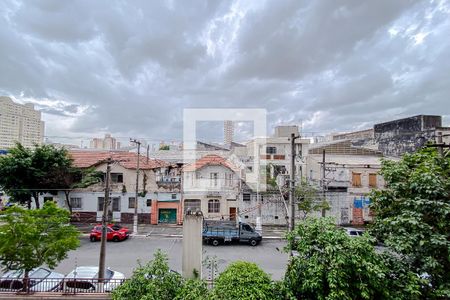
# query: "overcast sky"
(130, 67)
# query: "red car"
(114, 233)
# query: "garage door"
(167, 215)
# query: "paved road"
(123, 256)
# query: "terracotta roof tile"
(209, 160)
(86, 159)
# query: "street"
(123, 256)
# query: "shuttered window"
(356, 179)
(373, 180)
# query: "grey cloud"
(135, 65)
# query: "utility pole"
(148, 153)
(258, 195)
(323, 181)
(440, 142)
(101, 263)
(135, 217)
(292, 183)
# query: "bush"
(193, 289)
(153, 281)
(332, 265)
(243, 280)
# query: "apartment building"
(19, 123)
(106, 143)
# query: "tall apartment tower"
(107, 143)
(228, 130)
(19, 123)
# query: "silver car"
(41, 280)
(85, 279)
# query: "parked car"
(218, 232)
(114, 232)
(85, 279)
(353, 232)
(41, 280)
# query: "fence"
(59, 285)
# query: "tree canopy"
(329, 264)
(32, 238)
(27, 173)
(243, 280)
(412, 215)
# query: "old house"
(87, 203)
(211, 184)
(350, 174)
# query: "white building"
(19, 123)
(211, 185)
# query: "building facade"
(211, 185)
(19, 123)
(106, 143)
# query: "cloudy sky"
(131, 67)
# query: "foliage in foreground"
(32, 238)
(413, 215)
(243, 280)
(332, 265)
(155, 281)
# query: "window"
(101, 200)
(373, 180)
(213, 206)
(271, 150)
(116, 204)
(213, 179)
(116, 177)
(76, 203)
(48, 199)
(246, 197)
(174, 196)
(149, 202)
(192, 205)
(356, 179)
(131, 201)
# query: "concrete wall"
(405, 135)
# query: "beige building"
(19, 123)
(106, 143)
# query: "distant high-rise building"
(107, 143)
(19, 123)
(228, 131)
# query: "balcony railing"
(58, 285)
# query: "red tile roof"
(86, 159)
(209, 160)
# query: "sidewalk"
(176, 231)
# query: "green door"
(167, 215)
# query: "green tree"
(26, 173)
(309, 200)
(193, 289)
(73, 178)
(329, 264)
(412, 215)
(152, 281)
(243, 280)
(31, 238)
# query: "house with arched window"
(211, 185)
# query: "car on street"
(114, 232)
(353, 232)
(85, 279)
(41, 280)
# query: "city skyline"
(325, 66)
